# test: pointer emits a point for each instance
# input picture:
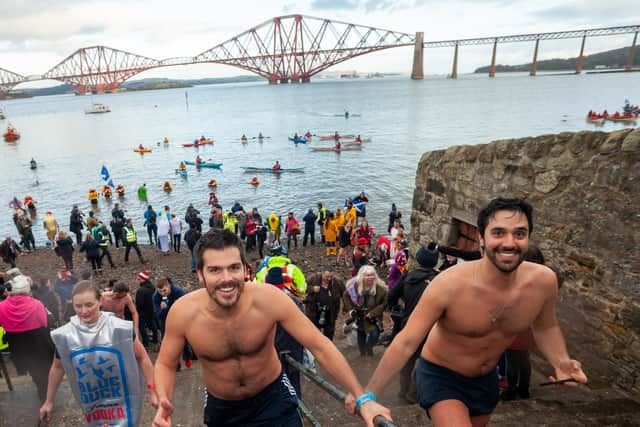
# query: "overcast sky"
(35, 35)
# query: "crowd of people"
(430, 318)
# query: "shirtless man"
(471, 313)
(116, 300)
(231, 327)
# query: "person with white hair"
(24, 319)
(364, 302)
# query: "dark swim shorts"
(436, 383)
(276, 405)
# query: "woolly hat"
(274, 276)
(13, 272)
(20, 285)
(427, 258)
(361, 241)
(144, 275)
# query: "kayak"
(355, 141)
(347, 148)
(298, 140)
(621, 118)
(333, 137)
(203, 164)
(270, 170)
(142, 150)
(199, 143)
(181, 173)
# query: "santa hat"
(144, 275)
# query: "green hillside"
(616, 58)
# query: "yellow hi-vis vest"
(3, 345)
(131, 235)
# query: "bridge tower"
(418, 53)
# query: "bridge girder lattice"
(297, 47)
(99, 68)
(8, 79)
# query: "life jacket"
(131, 235)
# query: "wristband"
(367, 396)
(150, 386)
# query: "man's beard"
(503, 267)
(221, 301)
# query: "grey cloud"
(589, 12)
(334, 4)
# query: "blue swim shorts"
(437, 383)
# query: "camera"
(322, 314)
(357, 315)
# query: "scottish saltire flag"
(105, 176)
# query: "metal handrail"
(334, 391)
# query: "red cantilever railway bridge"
(284, 49)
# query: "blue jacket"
(176, 292)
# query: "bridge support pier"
(454, 70)
(581, 55)
(273, 81)
(492, 68)
(632, 52)
(284, 81)
(305, 80)
(534, 63)
(418, 53)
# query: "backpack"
(152, 217)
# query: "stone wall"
(585, 189)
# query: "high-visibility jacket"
(3, 345)
(104, 239)
(290, 272)
(130, 235)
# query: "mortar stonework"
(585, 190)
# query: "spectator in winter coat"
(323, 301)
(63, 286)
(64, 249)
(191, 237)
(165, 295)
(144, 306)
(410, 288)
(24, 319)
(92, 250)
(9, 251)
(309, 220)
(41, 290)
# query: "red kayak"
(11, 136)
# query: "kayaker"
(295, 136)
(202, 138)
(336, 135)
(140, 147)
(165, 140)
(33, 163)
(338, 145)
(254, 181)
(308, 135)
(358, 139)
(260, 135)
(243, 138)
(277, 166)
(346, 114)
(182, 166)
(198, 160)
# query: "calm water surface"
(404, 118)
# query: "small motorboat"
(622, 117)
(96, 108)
